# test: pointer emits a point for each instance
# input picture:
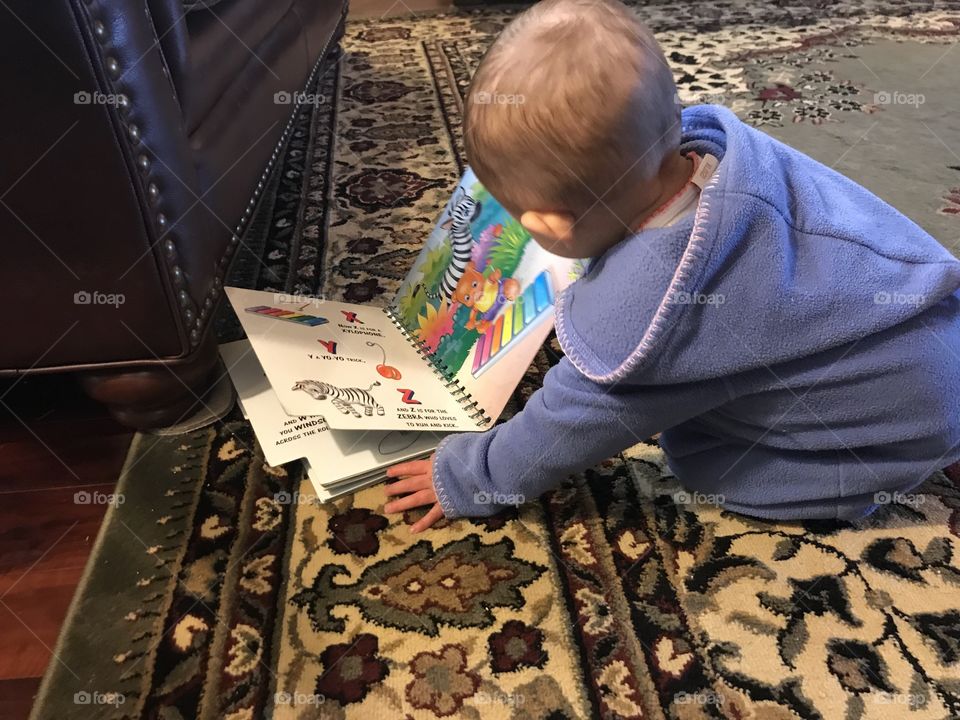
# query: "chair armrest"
(170, 26)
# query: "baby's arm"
(570, 424)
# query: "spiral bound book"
(336, 462)
(448, 352)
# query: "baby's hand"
(416, 483)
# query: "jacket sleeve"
(568, 425)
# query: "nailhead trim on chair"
(193, 319)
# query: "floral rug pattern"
(618, 595)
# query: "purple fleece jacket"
(797, 343)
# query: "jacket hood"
(784, 258)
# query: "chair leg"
(155, 396)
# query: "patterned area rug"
(220, 589)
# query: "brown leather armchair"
(135, 138)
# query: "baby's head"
(570, 119)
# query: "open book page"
(349, 363)
(481, 295)
(505, 349)
(336, 457)
(282, 437)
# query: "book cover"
(481, 294)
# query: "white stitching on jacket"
(692, 252)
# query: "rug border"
(79, 593)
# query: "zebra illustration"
(343, 399)
(465, 211)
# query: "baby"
(794, 339)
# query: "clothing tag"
(708, 166)
(687, 198)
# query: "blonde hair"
(573, 97)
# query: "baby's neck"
(674, 175)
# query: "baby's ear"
(549, 227)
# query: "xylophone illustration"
(289, 315)
(513, 323)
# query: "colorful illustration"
(484, 294)
(289, 315)
(344, 399)
(468, 275)
(408, 397)
(434, 326)
(329, 345)
(351, 317)
(387, 371)
(465, 210)
(525, 314)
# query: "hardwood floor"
(54, 442)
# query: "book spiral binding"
(455, 387)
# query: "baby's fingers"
(408, 485)
(423, 497)
(414, 467)
(436, 512)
